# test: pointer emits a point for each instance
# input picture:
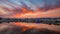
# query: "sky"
(10, 7)
(31, 3)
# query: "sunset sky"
(16, 7)
(31, 3)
